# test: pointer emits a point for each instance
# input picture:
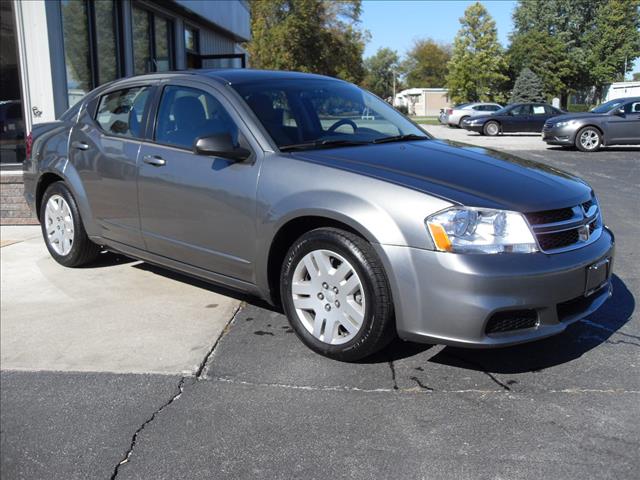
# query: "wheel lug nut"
(327, 307)
(325, 285)
(335, 289)
(337, 304)
(320, 296)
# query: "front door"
(197, 209)
(624, 128)
(104, 147)
(539, 115)
(518, 120)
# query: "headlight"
(475, 230)
(565, 124)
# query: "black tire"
(489, 130)
(378, 326)
(462, 119)
(592, 141)
(83, 250)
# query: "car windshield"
(310, 114)
(608, 106)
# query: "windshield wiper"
(401, 138)
(322, 143)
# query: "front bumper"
(450, 298)
(559, 135)
(473, 128)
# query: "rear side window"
(121, 112)
(539, 110)
(492, 108)
(186, 114)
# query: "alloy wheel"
(492, 128)
(59, 225)
(589, 139)
(328, 296)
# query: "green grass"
(426, 120)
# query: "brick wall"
(13, 208)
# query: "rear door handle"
(154, 160)
(80, 145)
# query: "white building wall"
(33, 52)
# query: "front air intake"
(511, 320)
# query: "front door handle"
(80, 145)
(154, 160)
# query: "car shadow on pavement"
(212, 287)
(576, 340)
(571, 148)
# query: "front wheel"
(588, 139)
(336, 295)
(491, 128)
(62, 228)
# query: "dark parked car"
(361, 226)
(616, 122)
(517, 117)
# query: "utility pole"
(393, 99)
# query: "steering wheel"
(344, 121)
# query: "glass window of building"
(106, 40)
(152, 41)
(12, 148)
(141, 43)
(192, 47)
(90, 45)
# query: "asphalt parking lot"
(127, 371)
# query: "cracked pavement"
(252, 402)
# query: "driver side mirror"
(620, 112)
(220, 145)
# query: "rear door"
(104, 146)
(624, 129)
(539, 115)
(197, 209)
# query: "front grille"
(566, 228)
(508, 321)
(551, 241)
(550, 216)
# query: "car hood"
(463, 174)
(577, 116)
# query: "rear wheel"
(336, 295)
(62, 228)
(462, 120)
(588, 139)
(491, 128)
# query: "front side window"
(316, 111)
(633, 107)
(493, 108)
(122, 112)
(186, 114)
(521, 110)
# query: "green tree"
(569, 22)
(636, 76)
(477, 66)
(380, 71)
(614, 42)
(528, 88)
(546, 56)
(308, 35)
(426, 64)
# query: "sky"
(397, 23)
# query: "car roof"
(234, 76)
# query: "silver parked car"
(616, 122)
(362, 227)
(459, 113)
